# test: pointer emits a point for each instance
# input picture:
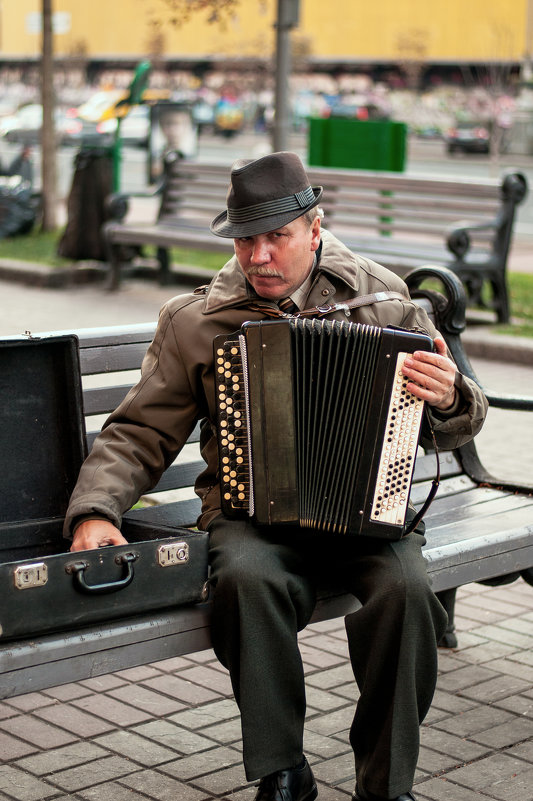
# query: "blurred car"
(134, 127)
(468, 137)
(24, 127)
(351, 111)
(427, 132)
(77, 131)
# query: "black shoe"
(295, 784)
(372, 797)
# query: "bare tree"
(411, 45)
(48, 139)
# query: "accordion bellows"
(315, 425)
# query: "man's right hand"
(94, 534)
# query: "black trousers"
(265, 582)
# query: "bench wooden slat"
(426, 466)
(168, 236)
(406, 204)
(181, 475)
(393, 182)
(112, 358)
(486, 512)
(103, 400)
(176, 513)
(447, 486)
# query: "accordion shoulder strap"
(321, 311)
(354, 303)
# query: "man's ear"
(315, 233)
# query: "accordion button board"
(233, 429)
(316, 427)
(398, 452)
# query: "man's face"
(276, 263)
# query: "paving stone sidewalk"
(169, 731)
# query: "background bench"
(398, 221)
(478, 528)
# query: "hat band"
(291, 203)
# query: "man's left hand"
(431, 376)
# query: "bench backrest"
(356, 203)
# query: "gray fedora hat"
(264, 195)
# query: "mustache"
(266, 272)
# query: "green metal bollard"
(116, 154)
(384, 230)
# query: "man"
(264, 578)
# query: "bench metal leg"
(447, 599)
(164, 266)
(501, 299)
(113, 260)
(527, 575)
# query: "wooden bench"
(401, 222)
(478, 528)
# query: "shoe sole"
(311, 795)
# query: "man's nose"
(260, 252)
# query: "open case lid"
(42, 430)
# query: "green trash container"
(357, 144)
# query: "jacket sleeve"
(141, 438)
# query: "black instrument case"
(43, 586)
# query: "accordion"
(315, 425)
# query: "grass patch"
(521, 291)
(516, 330)
(521, 303)
(36, 247)
(199, 258)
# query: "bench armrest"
(513, 191)
(449, 313)
(117, 204)
(458, 239)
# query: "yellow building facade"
(443, 31)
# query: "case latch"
(173, 553)
(27, 576)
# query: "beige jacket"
(149, 428)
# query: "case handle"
(77, 569)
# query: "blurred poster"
(171, 128)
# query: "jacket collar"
(229, 288)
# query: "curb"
(479, 340)
(41, 275)
(481, 343)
